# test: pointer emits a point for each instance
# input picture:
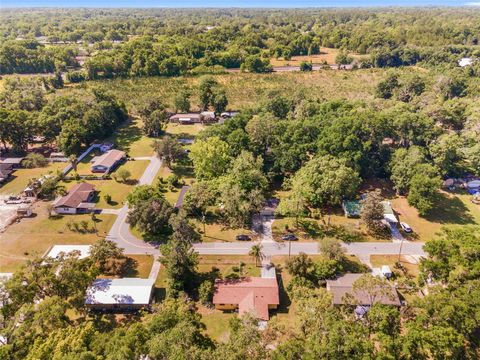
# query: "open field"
(246, 89)
(33, 236)
(19, 179)
(326, 54)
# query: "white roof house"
(57, 250)
(120, 293)
(388, 213)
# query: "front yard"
(32, 237)
(116, 189)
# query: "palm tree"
(256, 253)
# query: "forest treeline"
(166, 42)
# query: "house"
(351, 208)
(208, 116)
(249, 295)
(83, 251)
(343, 285)
(15, 162)
(108, 161)
(124, 294)
(5, 172)
(79, 200)
(388, 213)
(185, 119)
(24, 211)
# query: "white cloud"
(473, 3)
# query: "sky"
(233, 3)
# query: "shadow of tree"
(126, 135)
(129, 268)
(449, 210)
(285, 300)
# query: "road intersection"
(120, 233)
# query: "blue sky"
(231, 3)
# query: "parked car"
(289, 237)
(406, 227)
(243, 238)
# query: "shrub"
(34, 160)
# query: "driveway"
(120, 231)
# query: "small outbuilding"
(388, 213)
(118, 295)
(5, 171)
(15, 162)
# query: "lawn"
(129, 138)
(141, 266)
(32, 237)
(215, 232)
(326, 54)
(117, 190)
(390, 260)
(452, 209)
(20, 177)
(226, 265)
(216, 322)
(188, 130)
(183, 172)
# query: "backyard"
(327, 55)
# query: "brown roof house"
(185, 119)
(79, 200)
(252, 295)
(344, 294)
(108, 161)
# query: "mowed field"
(245, 89)
(32, 237)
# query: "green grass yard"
(32, 237)
(19, 179)
(129, 138)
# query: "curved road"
(120, 233)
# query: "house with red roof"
(253, 295)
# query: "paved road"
(361, 249)
(120, 231)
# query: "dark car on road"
(289, 237)
(243, 238)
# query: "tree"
(403, 165)
(206, 291)
(300, 265)
(122, 174)
(332, 248)
(279, 106)
(238, 205)
(169, 149)
(256, 64)
(34, 160)
(219, 101)
(343, 58)
(180, 262)
(182, 230)
(373, 288)
(103, 251)
(372, 212)
(257, 253)
(182, 101)
(325, 180)
(198, 198)
(73, 161)
(143, 193)
(424, 187)
(154, 117)
(306, 66)
(210, 157)
(385, 88)
(151, 216)
(261, 130)
(206, 91)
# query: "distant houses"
(5, 171)
(15, 162)
(79, 200)
(252, 295)
(108, 161)
(126, 294)
(204, 117)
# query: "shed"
(388, 213)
